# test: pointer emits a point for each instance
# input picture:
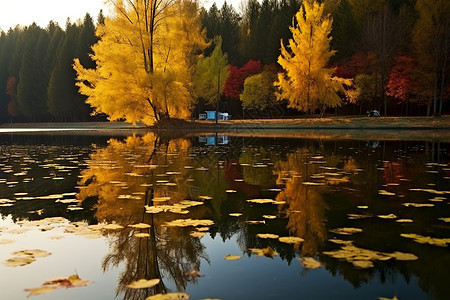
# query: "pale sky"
(25, 12)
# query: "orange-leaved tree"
(306, 82)
(144, 59)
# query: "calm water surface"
(372, 216)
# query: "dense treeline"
(394, 52)
(37, 81)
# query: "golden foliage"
(144, 74)
(306, 83)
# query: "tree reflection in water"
(126, 176)
(305, 205)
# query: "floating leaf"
(235, 214)
(197, 234)
(383, 298)
(389, 216)
(141, 234)
(346, 230)
(403, 256)
(290, 239)
(418, 204)
(267, 236)
(441, 242)
(189, 222)
(232, 257)
(270, 217)
(40, 290)
(169, 296)
(267, 252)
(404, 221)
(310, 263)
(19, 261)
(143, 283)
(385, 193)
(261, 201)
(447, 220)
(255, 222)
(140, 226)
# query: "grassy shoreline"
(339, 123)
(360, 128)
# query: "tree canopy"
(306, 82)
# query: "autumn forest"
(153, 60)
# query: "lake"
(223, 216)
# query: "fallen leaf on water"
(441, 242)
(403, 256)
(267, 236)
(197, 234)
(140, 226)
(141, 234)
(143, 284)
(270, 217)
(168, 296)
(267, 252)
(235, 214)
(444, 219)
(254, 222)
(385, 193)
(290, 239)
(232, 257)
(72, 281)
(19, 261)
(384, 298)
(389, 216)
(40, 290)
(189, 222)
(418, 204)
(261, 201)
(404, 221)
(346, 230)
(310, 263)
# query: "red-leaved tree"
(235, 80)
(401, 84)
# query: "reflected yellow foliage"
(125, 177)
(305, 205)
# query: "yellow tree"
(306, 82)
(144, 60)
